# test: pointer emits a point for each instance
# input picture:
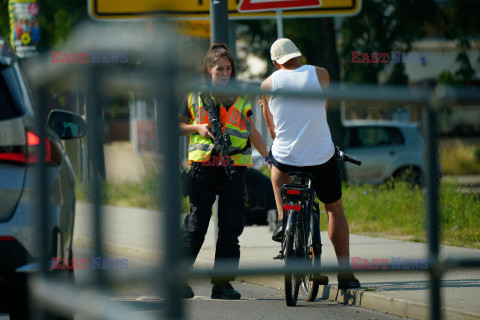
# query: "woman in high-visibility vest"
(209, 175)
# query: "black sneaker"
(187, 291)
(320, 279)
(346, 280)
(278, 233)
(225, 291)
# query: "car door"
(377, 147)
(13, 146)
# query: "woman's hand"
(204, 130)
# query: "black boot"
(187, 291)
(225, 290)
(278, 233)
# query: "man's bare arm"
(323, 80)
(257, 140)
(267, 86)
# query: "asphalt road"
(257, 302)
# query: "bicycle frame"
(293, 208)
(301, 243)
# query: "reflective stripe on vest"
(235, 124)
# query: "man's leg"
(338, 231)
(339, 234)
(279, 178)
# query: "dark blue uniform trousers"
(207, 182)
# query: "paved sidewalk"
(135, 233)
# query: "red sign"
(33, 9)
(268, 5)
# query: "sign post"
(218, 21)
(279, 23)
(277, 6)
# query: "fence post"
(432, 184)
(96, 160)
(167, 143)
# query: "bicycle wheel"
(309, 287)
(292, 282)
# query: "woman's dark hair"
(216, 52)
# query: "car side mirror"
(66, 124)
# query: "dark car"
(19, 150)
(260, 198)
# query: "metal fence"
(159, 75)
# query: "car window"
(15, 97)
(7, 106)
(396, 136)
(374, 136)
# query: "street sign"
(196, 28)
(200, 9)
(268, 5)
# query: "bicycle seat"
(301, 174)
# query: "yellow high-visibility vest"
(235, 123)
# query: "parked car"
(459, 121)
(260, 198)
(387, 149)
(19, 150)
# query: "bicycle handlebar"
(345, 157)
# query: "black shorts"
(326, 181)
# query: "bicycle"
(302, 245)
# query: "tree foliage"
(462, 26)
(318, 48)
(383, 26)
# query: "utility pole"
(218, 21)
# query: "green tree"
(461, 25)
(4, 20)
(318, 48)
(382, 26)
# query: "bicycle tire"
(292, 283)
(309, 287)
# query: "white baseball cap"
(283, 50)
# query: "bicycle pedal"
(280, 256)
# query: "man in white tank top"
(302, 139)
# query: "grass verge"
(399, 213)
(380, 211)
(458, 158)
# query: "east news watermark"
(389, 57)
(89, 57)
(92, 263)
(392, 263)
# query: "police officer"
(210, 177)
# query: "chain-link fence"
(154, 69)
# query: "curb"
(112, 248)
(368, 300)
(354, 297)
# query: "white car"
(387, 149)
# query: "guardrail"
(159, 75)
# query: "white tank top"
(302, 133)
